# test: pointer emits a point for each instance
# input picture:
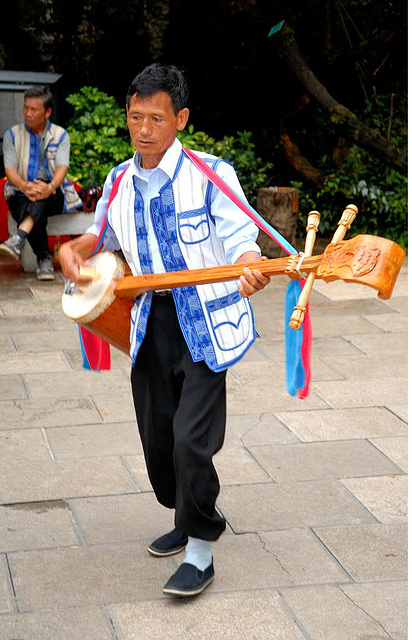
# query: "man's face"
(35, 115)
(153, 124)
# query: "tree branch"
(299, 162)
(370, 139)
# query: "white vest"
(217, 323)
(27, 146)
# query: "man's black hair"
(161, 77)
(43, 93)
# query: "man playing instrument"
(167, 217)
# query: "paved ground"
(313, 491)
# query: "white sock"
(198, 553)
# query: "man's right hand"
(71, 257)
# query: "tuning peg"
(299, 311)
(344, 224)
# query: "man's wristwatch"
(52, 188)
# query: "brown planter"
(279, 206)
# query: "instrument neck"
(133, 286)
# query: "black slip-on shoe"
(169, 544)
(189, 581)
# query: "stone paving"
(313, 490)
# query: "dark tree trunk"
(83, 42)
(38, 18)
(156, 14)
(370, 139)
(299, 162)
(279, 206)
(328, 28)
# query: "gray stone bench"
(64, 224)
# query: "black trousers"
(20, 207)
(181, 414)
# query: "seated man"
(36, 159)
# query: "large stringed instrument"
(104, 305)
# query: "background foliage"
(357, 49)
(380, 192)
(99, 138)
(239, 150)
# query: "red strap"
(95, 350)
(113, 193)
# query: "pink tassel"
(306, 354)
(96, 352)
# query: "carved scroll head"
(370, 260)
(345, 261)
(364, 261)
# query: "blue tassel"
(295, 372)
(86, 363)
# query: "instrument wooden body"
(96, 306)
(104, 305)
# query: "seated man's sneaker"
(12, 247)
(189, 581)
(45, 269)
(169, 544)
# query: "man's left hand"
(251, 280)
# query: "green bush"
(379, 193)
(239, 150)
(99, 138)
